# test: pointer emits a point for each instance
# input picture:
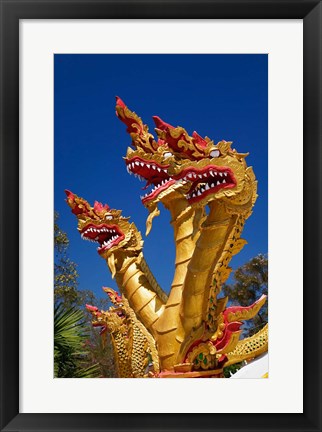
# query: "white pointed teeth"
(87, 235)
(109, 242)
(211, 173)
(157, 186)
(214, 179)
(150, 166)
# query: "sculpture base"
(217, 373)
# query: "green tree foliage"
(79, 349)
(101, 351)
(65, 270)
(100, 347)
(250, 281)
(232, 369)
(70, 345)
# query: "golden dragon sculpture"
(134, 347)
(120, 244)
(194, 332)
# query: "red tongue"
(101, 238)
(93, 235)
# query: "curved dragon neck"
(151, 279)
(133, 282)
(250, 347)
(143, 345)
(133, 345)
(232, 246)
(121, 354)
(208, 252)
(186, 223)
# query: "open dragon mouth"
(207, 181)
(101, 325)
(106, 235)
(156, 175)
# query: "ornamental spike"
(178, 139)
(141, 138)
(160, 124)
(78, 205)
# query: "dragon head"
(188, 166)
(113, 232)
(150, 161)
(220, 177)
(114, 318)
(215, 171)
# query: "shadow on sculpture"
(191, 332)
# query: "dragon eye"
(108, 217)
(215, 153)
(167, 155)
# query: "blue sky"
(221, 96)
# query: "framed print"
(251, 72)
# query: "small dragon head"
(112, 320)
(113, 232)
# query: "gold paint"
(185, 326)
(126, 263)
(133, 345)
(250, 347)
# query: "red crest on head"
(202, 143)
(131, 120)
(91, 308)
(99, 207)
(78, 206)
(113, 295)
(160, 124)
(172, 136)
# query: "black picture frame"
(11, 12)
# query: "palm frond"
(70, 334)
